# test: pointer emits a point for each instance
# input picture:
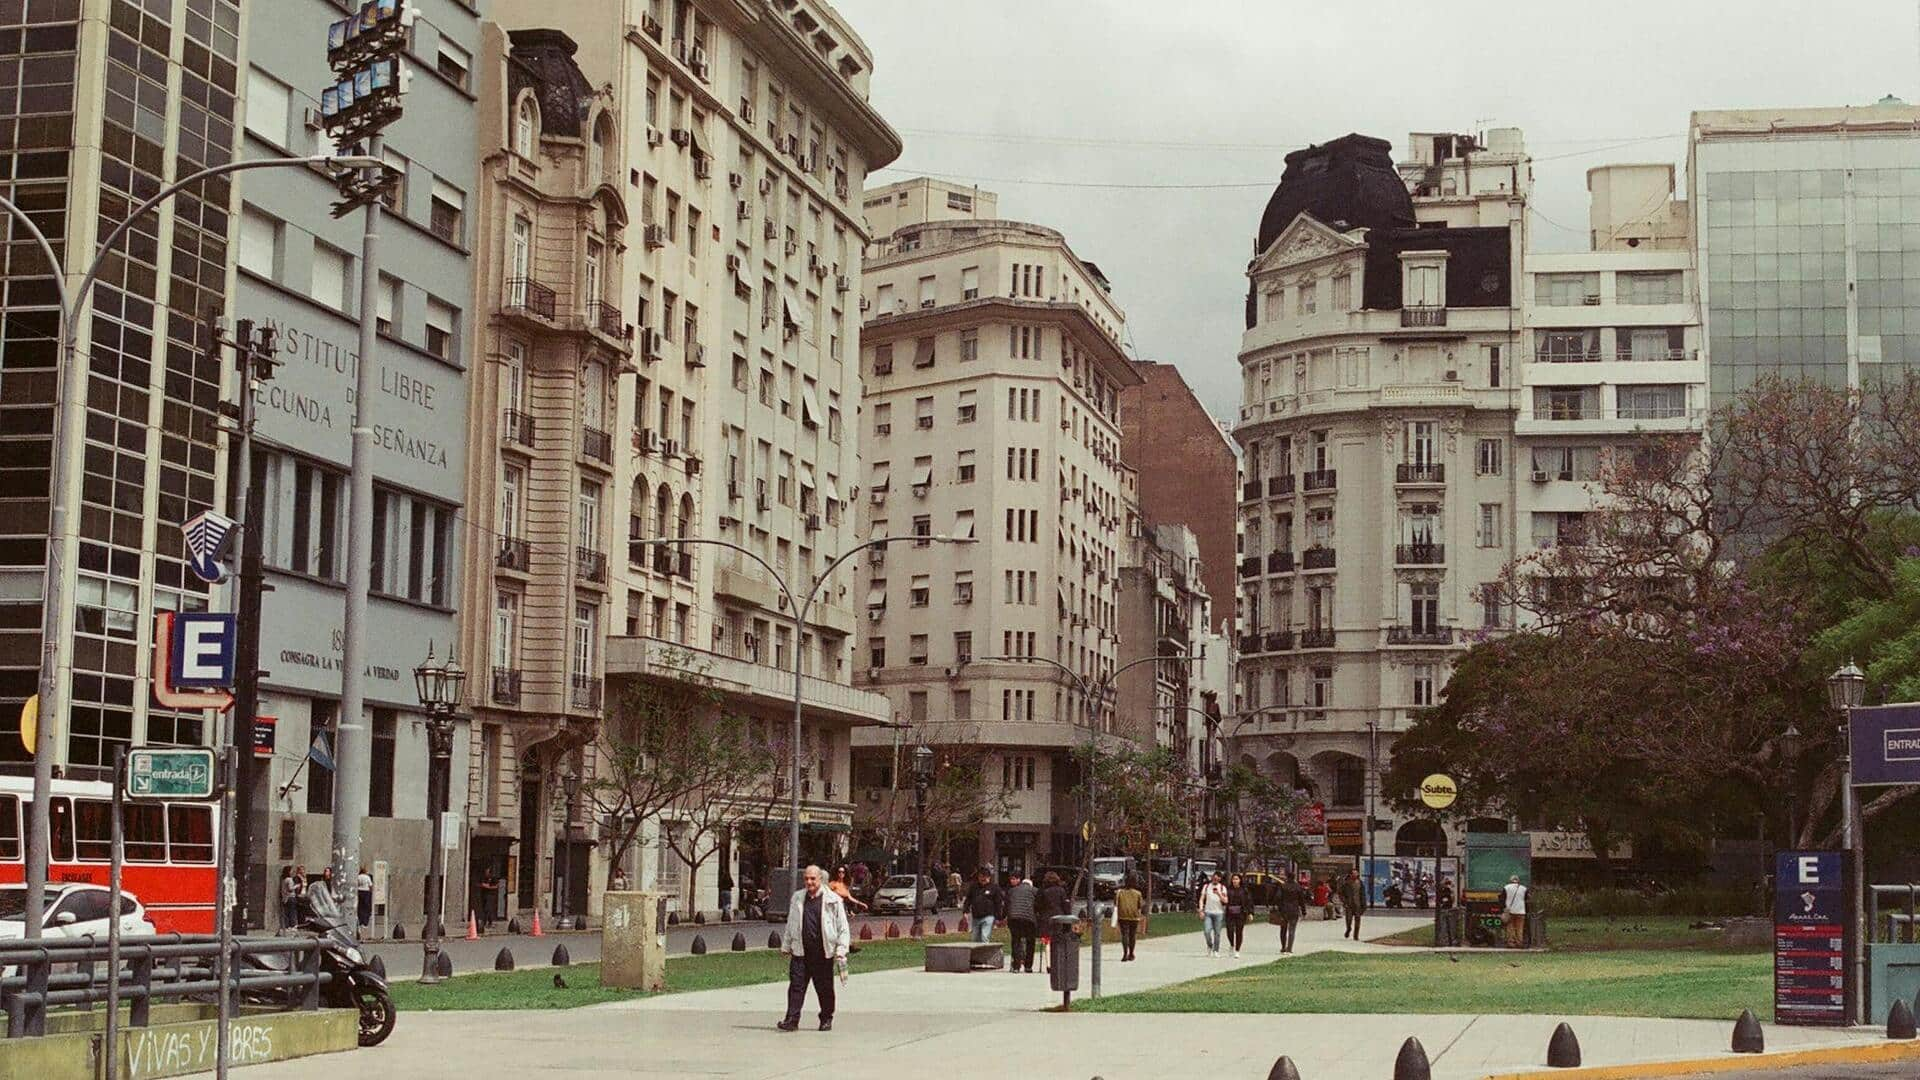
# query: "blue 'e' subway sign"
(1886, 744)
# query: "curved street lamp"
(799, 606)
(70, 391)
(1847, 691)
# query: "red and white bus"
(169, 848)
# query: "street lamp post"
(1846, 691)
(922, 778)
(439, 687)
(69, 394)
(1095, 692)
(799, 606)
(570, 795)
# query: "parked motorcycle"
(353, 984)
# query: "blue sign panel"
(201, 653)
(1886, 744)
(1810, 931)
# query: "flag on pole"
(319, 752)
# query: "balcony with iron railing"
(514, 554)
(596, 445)
(1628, 355)
(1317, 558)
(1279, 562)
(1249, 644)
(765, 686)
(1320, 480)
(585, 692)
(1277, 641)
(529, 297)
(506, 686)
(1424, 554)
(1408, 472)
(1419, 635)
(516, 427)
(1423, 315)
(592, 564)
(1317, 637)
(1250, 491)
(1250, 566)
(606, 319)
(1280, 485)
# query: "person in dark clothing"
(816, 941)
(1443, 894)
(1022, 903)
(1238, 904)
(1289, 903)
(1353, 899)
(1051, 902)
(983, 904)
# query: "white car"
(72, 911)
(896, 895)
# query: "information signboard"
(1810, 935)
(175, 772)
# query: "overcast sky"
(1085, 115)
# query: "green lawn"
(533, 988)
(1598, 933)
(1618, 967)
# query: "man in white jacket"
(816, 940)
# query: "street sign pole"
(118, 857)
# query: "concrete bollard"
(917, 929)
(1900, 1021)
(579, 922)
(1563, 1050)
(739, 941)
(1412, 1062)
(443, 965)
(513, 925)
(399, 932)
(939, 926)
(773, 937)
(1747, 1037)
(963, 923)
(1283, 1070)
(673, 918)
(866, 933)
(699, 918)
(893, 930)
(560, 957)
(378, 965)
(699, 945)
(503, 960)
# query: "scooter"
(352, 982)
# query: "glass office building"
(1807, 237)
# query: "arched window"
(686, 515)
(663, 512)
(526, 127)
(637, 513)
(597, 151)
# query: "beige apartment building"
(1426, 401)
(734, 141)
(993, 369)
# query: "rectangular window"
(380, 784)
(449, 207)
(1487, 454)
(442, 329)
(259, 250)
(330, 274)
(1424, 678)
(1493, 366)
(1566, 402)
(269, 105)
(1566, 346)
(1644, 286)
(506, 630)
(1343, 292)
(452, 63)
(1489, 533)
(1566, 290)
(1668, 402)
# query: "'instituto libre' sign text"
(405, 420)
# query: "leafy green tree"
(1142, 796)
(1266, 816)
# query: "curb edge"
(1857, 1054)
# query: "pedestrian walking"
(815, 942)
(1353, 899)
(1213, 912)
(1513, 906)
(489, 897)
(1022, 901)
(845, 892)
(363, 893)
(1288, 905)
(1238, 904)
(290, 887)
(726, 892)
(1323, 896)
(1051, 903)
(1443, 894)
(1128, 909)
(953, 885)
(983, 903)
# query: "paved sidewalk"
(895, 1023)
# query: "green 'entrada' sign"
(170, 773)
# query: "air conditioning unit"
(879, 496)
(696, 356)
(920, 491)
(793, 146)
(766, 185)
(1540, 476)
(813, 522)
(670, 447)
(651, 26)
(693, 465)
(733, 489)
(735, 180)
(793, 245)
(646, 441)
(875, 614)
(842, 283)
(651, 343)
(1452, 376)
(702, 167)
(742, 211)
(746, 110)
(883, 429)
(655, 236)
(953, 673)
(924, 423)
(699, 63)
(866, 304)
(654, 137)
(1066, 425)
(312, 119)
(683, 137)
(771, 231)
(760, 499)
(733, 261)
(876, 557)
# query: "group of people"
(1027, 909)
(294, 884)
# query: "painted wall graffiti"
(155, 1052)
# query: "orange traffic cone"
(536, 923)
(473, 927)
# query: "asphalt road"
(1898, 1070)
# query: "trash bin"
(1065, 955)
(1449, 928)
(1537, 930)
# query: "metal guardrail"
(158, 968)
(1900, 926)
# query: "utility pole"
(255, 354)
(366, 52)
(1373, 784)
